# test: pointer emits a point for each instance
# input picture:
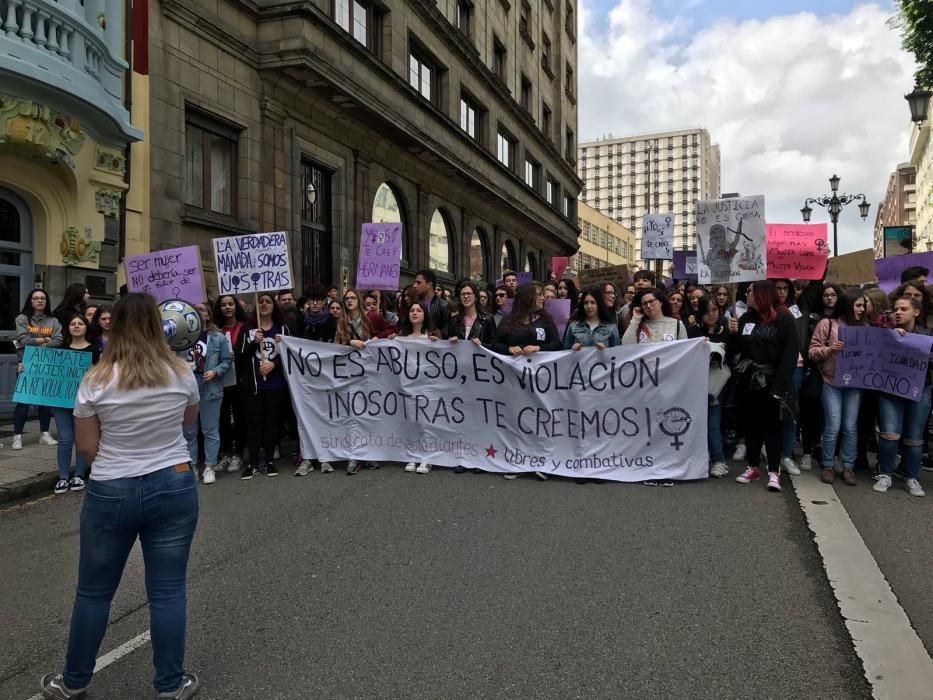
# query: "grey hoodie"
(30, 330)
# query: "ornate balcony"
(66, 54)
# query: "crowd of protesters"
(772, 401)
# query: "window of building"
(570, 22)
(354, 17)
(568, 83)
(465, 17)
(210, 164)
(532, 174)
(524, 23)
(439, 243)
(526, 94)
(478, 255)
(421, 74)
(569, 145)
(498, 58)
(546, 55)
(570, 209)
(546, 125)
(505, 149)
(469, 117)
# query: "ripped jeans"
(902, 421)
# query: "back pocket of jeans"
(100, 513)
(180, 506)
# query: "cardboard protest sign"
(50, 376)
(559, 311)
(657, 236)
(796, 251)
(617, 274)
(888, 270)
(884, 360)
(559, 265)
(380, 256)
(174, 273)
(731, 240)
(256, 262)
(685, 264)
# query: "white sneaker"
(304, 468)
(47, 439)
(410, 467)
(208, 476)
(510, 476)
(719, 469)
(236, 464)
(790, 466)
(326, 468)
(914, 488)
(806, 463)
(17, 442)
(882, 483)
(740, 451)
(423, 468)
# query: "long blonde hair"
(137, 346)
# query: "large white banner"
(628, 413)
(731, 240)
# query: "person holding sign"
(233, 322)
(416, 325)
(652, 320)
(593, 325)
(129, 414)
(35, 326)
(471, 323)
(902, 420)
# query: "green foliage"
(916, 24)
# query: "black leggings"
(762, 427)
(264, 418)
(232, 422)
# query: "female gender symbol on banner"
(674, 422)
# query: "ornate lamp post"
(919, 101)
(834, 204)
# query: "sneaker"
(510, 477)
(650, 482)
(271, 469)
(353, 467)
(248, 473)
(304, 468)
(76, 483)
(882, 483)
(719, 470)
(666, 483)
(372, 465)
(740, 452)
(774, 481)
(806, 463)
(53, 686)
(326, 468)
(208, 476)
(748, 476)
(459, 470)
(410, 467)
(17, 442)
(790, 466)
(423, 468)
(224, 464)
(46, 439)
(236, 464)
(61, 486)
(277, 453)
(914, 488)
(188, 689)
(542, 476)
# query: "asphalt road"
(445, 586)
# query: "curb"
(29, 487)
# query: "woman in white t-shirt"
(129, 413)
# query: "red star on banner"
(490, 451)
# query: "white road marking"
(115, 655)
(896, 663)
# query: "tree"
(916, 25)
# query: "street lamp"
(834, 205)
(919, 101)
(311, 193)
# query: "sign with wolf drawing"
(731, 243)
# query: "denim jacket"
(217, 357)
(579, 332)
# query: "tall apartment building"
(899, 209)
(921, 157)
(456, 118)
(624, 178)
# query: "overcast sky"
(793, 91)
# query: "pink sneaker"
(748, 476)
(774, 481)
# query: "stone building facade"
(457, 118)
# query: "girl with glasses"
(652, 320)
(35, 326)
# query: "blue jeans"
(840, 410)
(21, 413)
(65, 422)
(907, 420)
(161, 509)
(714, 433)
(789, 436)
(209, 421)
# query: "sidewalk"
(30, 471)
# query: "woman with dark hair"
(915, 289)
(723, 299)
(738, 307)
(472, 323)
(263, 385)
(593, 325)
(840, 404)
(710, 326)
(765, 341)
(676, 301)
(34, 326)
(567, 289)
(74, 302)
(610, 294)
(231, 321)
(99, 328)
(652, 320)
(902, 421)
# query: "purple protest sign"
(525, 277)
(380, 256)
(559, 311)
(888, 270)
(685, 264)
(174, 273)
(884, 360)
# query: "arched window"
(531, 265)
(439, 243)
(506, 257)
(387, 209)
(478, 255)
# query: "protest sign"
(888, 270)
(657, 236)
(50, 376)
(622, 413)
(559, 311)
(167, 274)
(380, 256)
(559, 265)
(521, 277)
(256, 262)
(731, 241)
(884, 360)
(617, 274)
(796, 251)
(685, 264)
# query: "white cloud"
(790, 99)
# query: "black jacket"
(439, 314)
(774, 344)
(246, 375)
(323, 333)
(528, 335)
(484, 328)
